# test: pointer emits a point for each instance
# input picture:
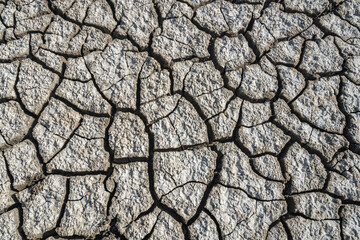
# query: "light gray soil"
(188, 119)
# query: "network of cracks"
(191, 119)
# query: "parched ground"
(188, 119)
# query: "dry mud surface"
(191, 119)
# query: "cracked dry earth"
(189, 119)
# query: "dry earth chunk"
(116, 72)
(35, 85)
(268, 166)
(277, 232)
(31, 16)
(313, 7)
(352, 66)
(42, 205)
(181, 178)
(5, 186)
(351, 224)
(281, 24)
(55, 125)
(292, 82)
(203, 228)
(354, 130)
(137, 19)
(318, 105)
(349, 10)
(85, 208)
(24, 165)
(344, 181)
(188, 125)
(325, 143)
(321, 57)
(132, 195)
(215, 102)
(254, 113)
(165, 135)
(15, 49)
(261, 37)
(185, 199)
(75, 10)
(99, 14)
(59, 34)
(223, 124)
(14, 123)
(316, 205)
(155, 86)
(264, 138)
(340, 27)
(174, 169)
(84, 96)
(142, 226)
(76, 69)
(180, 39)
(234, 78)
(8, 74)
(237, 172)
(302, 228)
(221, 16)
(9, 222)
(51, 60)
(167, 226)
(127, 136)
(200, 78)
(93, 127)
(287, 52)
(241, 217)
(159, 108)
(304, 170)
(256, 84)
(233, 53)
(80, 155)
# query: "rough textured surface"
(42, 205)
(23, 164)
(85, 208)
(179, 119)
